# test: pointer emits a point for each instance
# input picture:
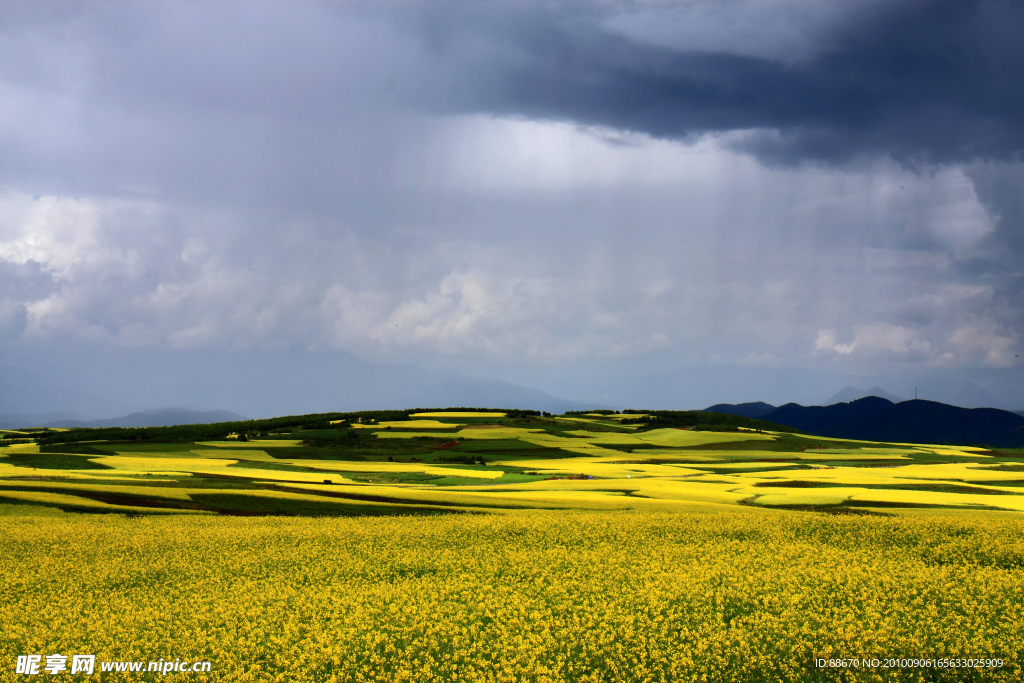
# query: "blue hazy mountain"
(19, 420)
(163, 417)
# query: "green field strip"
(597, 468)
(478, 472)
(789, 497)
(54, 461)
(601, 422)
(397, 434)
(801, 497)
(1002, 468)
(811, 439)
(751, 468)
(256, 444)
(682, 437)
(206, 466)
(954, 471)
(592, 450)
(86, 489)
(840, 473)
(69, 478)
(240, 472)
(73, 503)
(863, 453)
(292, 504)
(138, 498)
(890, 497)
(489, 432)
(937, 487)
(458, 414)
(9, 449)
(130, 449)
(584, 420)
(209, 499)
(377, 495)
(242, 454)
(164, 464)
(257, 468)
(421, 425)
(360, 452)
(418, 496)
(498, 446)
(664, 489)
(603, 438)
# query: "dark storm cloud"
(924, 82)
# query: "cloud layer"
(515, 187)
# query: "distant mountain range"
(165, 417)
(257, 384)
(878, 419)
(19, 420)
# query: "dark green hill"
(917, 421)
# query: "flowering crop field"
(555, 549)
(719, 594)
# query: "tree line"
(700, 420)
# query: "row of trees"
(700, 420)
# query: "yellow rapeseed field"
(719, 594)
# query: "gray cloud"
(510, 189)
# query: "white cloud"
(954, 213)
(876, 339)
(138, 273)
(500, 154)
(828, 341)
(984, 341)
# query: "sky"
(647, 204)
